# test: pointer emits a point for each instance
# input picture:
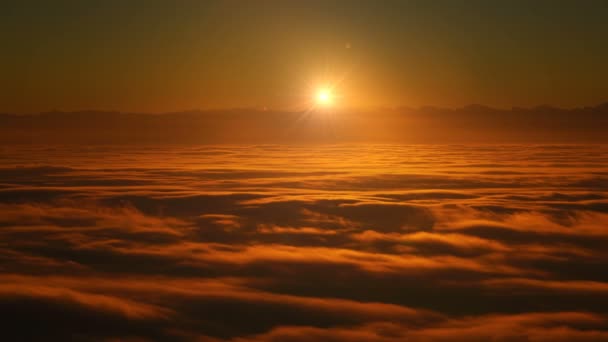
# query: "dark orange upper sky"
(156, 56)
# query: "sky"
(164, 56)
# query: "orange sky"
(165, 56)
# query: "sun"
(324, 97)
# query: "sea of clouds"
(305, 243)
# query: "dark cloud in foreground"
(304, 243)
(471, 124)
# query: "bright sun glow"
(324, 97)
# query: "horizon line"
(338, 108)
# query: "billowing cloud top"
(304, 243)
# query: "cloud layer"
(323, 243)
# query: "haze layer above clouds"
(471, 124)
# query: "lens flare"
(324, 97)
